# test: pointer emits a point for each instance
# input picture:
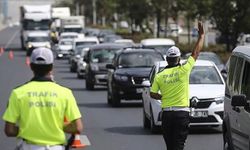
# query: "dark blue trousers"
(175, 126)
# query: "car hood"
(142, 72)
(207, 91)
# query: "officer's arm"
(156, 96)
(200, 41)
(74, 126)
(11, 129)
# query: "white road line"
(11, 39)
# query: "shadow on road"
(93, 105)
(205, 130)
(130, 130)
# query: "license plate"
(139, 90)
(197, 114)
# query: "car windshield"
(138, 59)
(69, 36)
(77, 30)
(205, 75)
(85, 43)
(161, 48)
(102, 55)
(36, 25)
(38, 39)
(66, 43)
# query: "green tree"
(231, 18)
(137, 11)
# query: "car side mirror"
(224, 71)
(239, 100)
(146, 83)
(110, 66)
(85, 58)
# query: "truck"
(57, 14)
(72, 24)
(34, 18)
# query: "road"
(107, 128)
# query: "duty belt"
(176, 108)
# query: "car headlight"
(120, 77)
(82, 63)
(30, 45)
(48, 45)
(94, 67)
(219, 100)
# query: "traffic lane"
(121, 128)
(106, 127)
(10, 38)
(13, 72)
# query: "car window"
(138, 59)
(85, 43)
(205, 75)
(245, 88)
(38, 39)
(66, 43)
(237, 75)
(102, 55)
(231, 68)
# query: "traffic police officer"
(173, 84)
(36, 110)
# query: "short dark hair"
(41, 70)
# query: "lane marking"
(11, 39)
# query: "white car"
(68, 35)
(37, 39)
(78, 45)
(161, 44)
(206, 86)
(81, 64)
(64, 48)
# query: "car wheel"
(146, 121)
(79, 76)
(153, 127)
(89, 84)
(109, 96)
(227, 143)
(115, 99)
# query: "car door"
(146, 91)
(234, 84)
(244, 112)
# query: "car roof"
(132, 50)
(157, 41)
(108, 45)
(245, 50)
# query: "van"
(236, 120)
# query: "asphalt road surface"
(107, 128)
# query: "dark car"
(96, 59)
(129, 69)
